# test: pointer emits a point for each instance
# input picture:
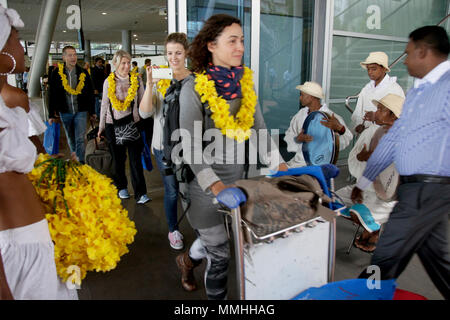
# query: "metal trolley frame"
(238, 227)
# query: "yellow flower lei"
(163, 85)
(65, 83)
(237, 127)
(96, 233)
(135, 70)
(116, 103)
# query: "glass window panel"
(347, 75)
(387, 17)
(284, 58)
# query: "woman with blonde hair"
(153, 105)
(27, 260)
(119, 118)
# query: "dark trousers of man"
(119, 154)
(417, 224)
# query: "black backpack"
(171, 114)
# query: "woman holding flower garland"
(122, 93)
(152, 104)
(220, 97)
(27, 259)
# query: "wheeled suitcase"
(99, 157)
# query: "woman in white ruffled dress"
(27, 262)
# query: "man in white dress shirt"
(380, 85)
(310, 98)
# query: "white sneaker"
(143, 199)
(123, 194)
(176, 240)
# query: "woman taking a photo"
(153, 104)
(119, 115)
(27, 261)
(220, 97)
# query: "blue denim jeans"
(170, 191)
(75, 127)
(98, 103)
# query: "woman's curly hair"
(177, 37)
(198, 51)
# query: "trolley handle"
(230, 198)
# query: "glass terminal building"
(287, 42)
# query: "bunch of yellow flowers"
(89, 226)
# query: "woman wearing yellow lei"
(152, 105)
(122, 93)
(221, 99)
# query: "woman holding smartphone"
(152, 105)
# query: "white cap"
(377, 57)
(393, 102)
(312, 88)
(8, 18)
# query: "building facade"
(289, 42)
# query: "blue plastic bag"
(51, 138)
(146, 154)
(353, 289)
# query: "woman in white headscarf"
(27, 263)
(14, 97)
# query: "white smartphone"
(162, 73)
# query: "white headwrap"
(8, 18)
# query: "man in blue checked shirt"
(419, 145)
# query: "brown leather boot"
(186, 266)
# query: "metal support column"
(126, 41)
(255, 36)
(171, 16)
(87, 50)
(45, 32)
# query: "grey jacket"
(218, 158)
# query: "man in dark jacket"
(71, 100)
(99, 75)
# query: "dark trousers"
(119, 154)
(213, 244)
(417, 224)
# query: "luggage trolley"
(280, 265)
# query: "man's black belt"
(427, 178)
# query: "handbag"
(51, 138)
(125, 129)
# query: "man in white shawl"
(310, 97)
(374, 211)
(380, 85)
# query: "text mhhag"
(246, 309)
